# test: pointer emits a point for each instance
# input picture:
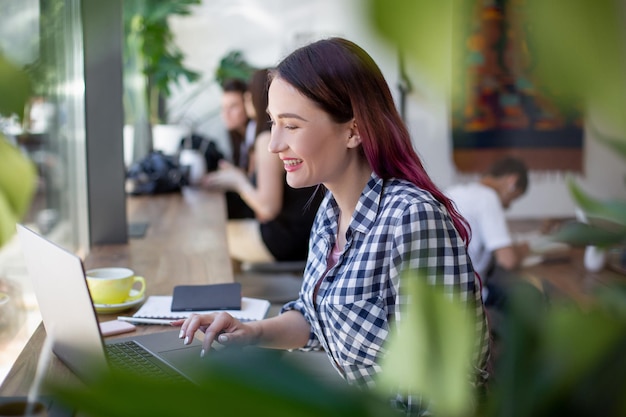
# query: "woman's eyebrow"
(289, 116)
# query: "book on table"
(160, 307)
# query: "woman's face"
(313, 147)
(233, 111)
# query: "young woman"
(335, 123)
(282, 215)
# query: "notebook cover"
(207, 297)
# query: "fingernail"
(186, 340)
(222, 338)
(202, 353)
(181, 334)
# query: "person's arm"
(492, 224)
(266, 198)
(289, 330)
(510, 257)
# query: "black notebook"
(207, 297)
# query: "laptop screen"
(68, 315)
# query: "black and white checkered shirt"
(395, 226)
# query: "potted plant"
(152, 63)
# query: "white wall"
(266, 30)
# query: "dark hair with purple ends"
(346, 83)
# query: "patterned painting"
(499, 107)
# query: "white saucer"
(114, 308)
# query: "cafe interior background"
(263, 31)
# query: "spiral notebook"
(160, 307)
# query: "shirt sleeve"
(313, 343)
(425, 239)
(493, 226)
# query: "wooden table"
(569, 278)
(564, 277)
(185, 243)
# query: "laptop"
(70, 319)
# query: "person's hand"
(227, 177)
(216, 326)
(523, 250)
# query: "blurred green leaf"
(581, 234)
(234, 382)
(426, 33)
(613, 211)
(234, 66)
(617, 144)
(15, 89)
(149, 49)
(431, 351)
(578, 50)
(558, 359)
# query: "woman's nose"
(275, 145)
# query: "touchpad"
(188, 361)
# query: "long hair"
(346, 83)
(258, 86)
(235, 85)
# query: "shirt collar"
(367, 208)
(365, 212)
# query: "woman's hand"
(227, 177)
(216, 326)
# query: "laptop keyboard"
(130, 356)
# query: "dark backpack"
(155, 174)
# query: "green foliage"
(424, 31)
(580, 55)
(233, 65)
(234, 382)
(578, 50)
(15, 89)
(431, 352)
(560, 359)
(18, 182)
(556, 359)
(606, 221)
(150, 47)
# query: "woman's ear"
(354, 139)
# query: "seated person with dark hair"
(483, 204)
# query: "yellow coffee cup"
(113, 285)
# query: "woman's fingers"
(222, 322)
(216, 326)
(191, 325)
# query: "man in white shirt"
(483, 204)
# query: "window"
(45, 41)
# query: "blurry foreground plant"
(581, 56)
(431, 352)
(235, 382)
(557, 358)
